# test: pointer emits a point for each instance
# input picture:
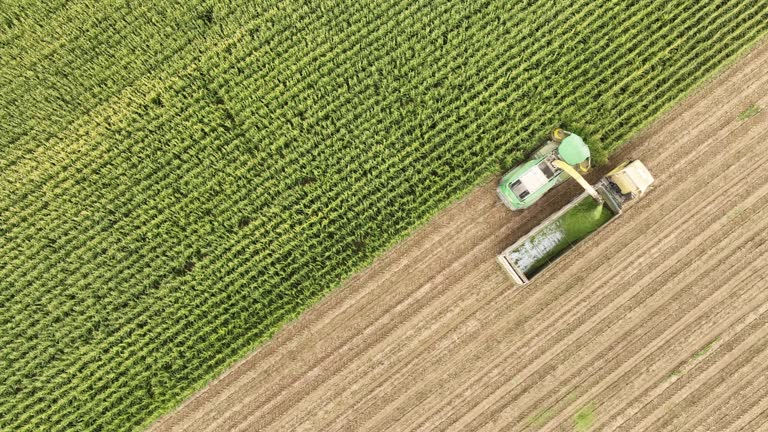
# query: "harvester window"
(546, 169)
(519, 189)
(531, 181)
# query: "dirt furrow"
(717, 362)
(671, 325)
(741, 397)
(680, 387)
(680, 373)
(666, 416)
(754, 419)
(589, 364)
(651, 316)
(604, 352)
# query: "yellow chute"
(576, 176)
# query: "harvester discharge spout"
(576, 176)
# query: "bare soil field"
(657, 322)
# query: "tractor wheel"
(559, 134)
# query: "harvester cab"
(553, 163)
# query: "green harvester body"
(522, 186)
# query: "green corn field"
(180, 180)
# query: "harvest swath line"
(749, 363)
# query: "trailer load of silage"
(562, 233)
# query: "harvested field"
(658, 322)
